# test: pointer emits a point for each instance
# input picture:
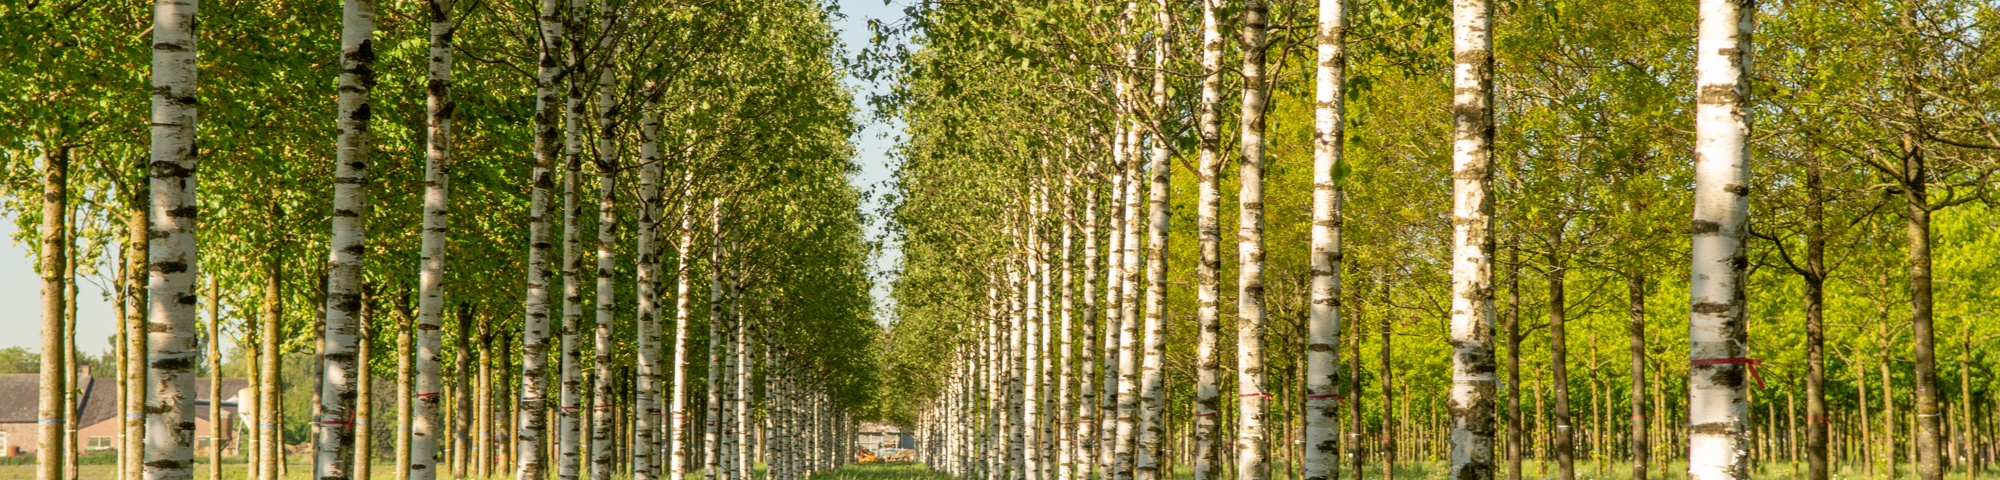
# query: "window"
(99, 443)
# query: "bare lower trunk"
(426, 411)
(215, 423)
(1515, 449)
(1208, 239)
(1637, 435)
(1472, 388)
(1718, 393)
(171, 256)
(1253, 453)
(1564, 432)
(647, 408)
(1322, 416)
(269, 431)
(1087, 411)
(334, 442)
(602, 459)
(1152, 394)
(712, 436)
(405, 374)
(132, 449)
(54, 377)
(532, 427)
(364, 399)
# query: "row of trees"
(1481, 193)
(469, 140)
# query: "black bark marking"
(1711, 308)
(1702, 227)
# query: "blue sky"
(20, 288)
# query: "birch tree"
(1208, 239)
(1322, 422)
(334, 458)
(171, 256)
(439, 106)
(1718, 395)
(1253, 454)
(533, 427)
(1473, 364)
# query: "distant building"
(96, 411)
(876, 437)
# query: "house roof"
(20, 397)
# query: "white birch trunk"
(1252, 454)
(1322, 419)
(683, 314)
(745, 429)
(1066, 458)
(712, 433)
(427, 414)
(1472, 397)
(1152, 401)
(335, 443)
(1107, 438)
(532, 427)
(1032, 346)
(170, 309)
(1086, 407)
(1472, 400)
(1717, 385)
(1208, 236)
(603, 424)
(568, 428)
(646, 407)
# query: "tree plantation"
(631, 239)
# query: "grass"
(882, 471)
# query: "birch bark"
(1322, 419)
(1208, 238)
(1473, 364)
(335, 444)
(1151, 392)
(1718, 398)
(1252, 457)
(532, 427)
(602, 461)
(1086, 407)
(170, 258)
(138, 197)
(684, 287)
(712, 434)
(438, 110)
(647, 406)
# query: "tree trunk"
(1113, 265)
(364, 397)
(711, 432)
(1322, 422)
(1208, 239)
(215, 421)
(1717, 339)
(1564, 433)
(270, 441)
(569, 390)
(602, 461)
(646, 423)
(483, 442)
(1152, 395)
(1515, 449)
(1472, 388)
(54, 375)
(1087, 407)
(531, 440)
(1065, 449)
(1252, 456)
(132, 450)
(683, 316)
(1389, 441)
(1356, 447)
(334, 446)
(405, 374)
(422, 463)
(171, 255)
(463, 388)
(1636, 307)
